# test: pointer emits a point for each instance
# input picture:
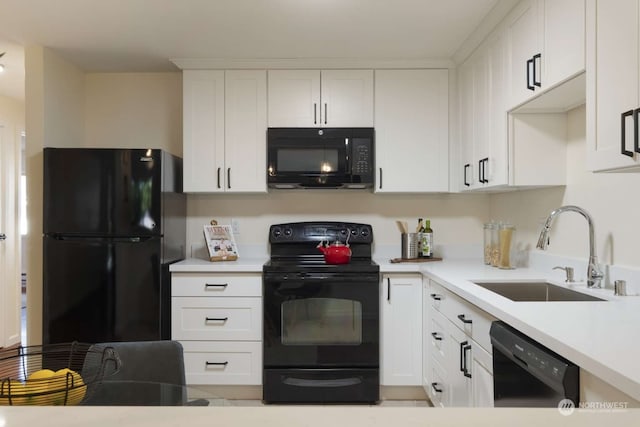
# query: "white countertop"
(308, 416)
(600, 337)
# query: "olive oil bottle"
(426, 240)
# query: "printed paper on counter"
(220, 243)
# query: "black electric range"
(321, 321)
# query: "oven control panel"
(303, 232)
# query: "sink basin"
(535, 291)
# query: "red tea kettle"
(336, 253)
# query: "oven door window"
(321, 321)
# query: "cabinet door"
(412, 130)
(564, 35)
(612, 88)
(496, 170)
(459, 358)
(245, 131)
(481, 377)
(523, 31)
(203, 130)
(401, 338)
(465, 96)
(347, 98)
(294, 98)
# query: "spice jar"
(490, 242)
(505, 234)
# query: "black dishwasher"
(527, 374)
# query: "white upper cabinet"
(524, 51)
(225, 124)
(203, 130)
(613, 100)
(314, 98)
(483, 116)
(545, 45)
(245, 146)
(412, 130)
(347, 98)
(564, 38)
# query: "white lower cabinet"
(401, 334)
(218, 320)
(458, 355)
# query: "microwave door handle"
(348, 151)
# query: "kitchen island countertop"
(308, 416)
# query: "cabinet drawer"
(437, 338)
(470, 319)
(200, 318)
(223, 362)
(213, 285)
(437, 389)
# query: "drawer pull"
(464, 319)
(216, 363)
(435, 388)
(216, 285)
(216, 319)
(436, 297)
(436, 336)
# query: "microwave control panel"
(361, 160)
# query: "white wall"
(54, 111)
(455, 218)
(127, 110)
(610, 198)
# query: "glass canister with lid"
(505, 237)
(491, 243)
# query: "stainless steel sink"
(535, 291)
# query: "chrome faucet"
(594, 273)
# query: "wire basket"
(53, 374)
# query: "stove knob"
(288, 232)
(343, 232)
(365, 232)
(276, 232)
(354, 232)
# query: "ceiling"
(143, 35)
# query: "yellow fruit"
(42, 373)
(70, 384)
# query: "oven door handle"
(295, 280)
(339, 382)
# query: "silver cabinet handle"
(3, 236)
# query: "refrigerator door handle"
(125, 239)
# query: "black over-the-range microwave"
(320, 157)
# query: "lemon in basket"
(64, 379)
(38, 386)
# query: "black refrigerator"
(114, 220)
